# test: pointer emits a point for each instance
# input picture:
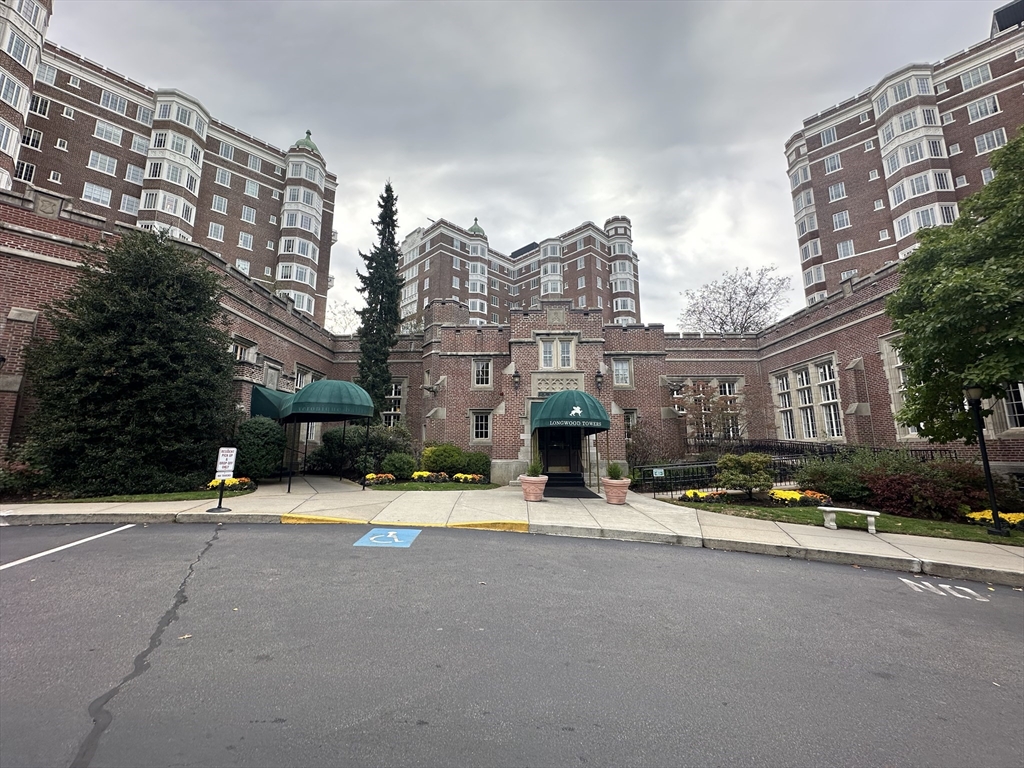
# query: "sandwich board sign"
(226, 463)
(225, 471)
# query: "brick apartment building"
(487, 335)
(591, 267)
(157, 158)
(867, 173)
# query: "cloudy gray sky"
(537, 116)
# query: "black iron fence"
(787, 459)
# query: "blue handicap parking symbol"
(389, 537)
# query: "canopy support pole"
(291, 461)
(366, 444)
(341, 469)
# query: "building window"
(10, 90)
(848, 274)
(481, 426)
(987, 174)
(108, 132)
(872, 175)
(245, 240)
(102, 163)
(833, 163)
(223, 177)
(845, 249)
(622, 372)
(252, 188)
(828, 136)
(18, 48)
(242, 266)
(837, 192)
(975, 77)
(393, 396)
(248, 214)
(883, 234)
(879, 204)
(216, 231)
(40, 105)
(990, 141)
(113, 102)
(130, 204)
(481, 373)
(1014, 403)
(95, 194)
(24, 171)
(840, 220)
(227, 151)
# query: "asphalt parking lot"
(209, 645)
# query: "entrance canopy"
(323, 400)
(571, 408)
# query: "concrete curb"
(70, 518)
(887, 562)
(756, 548)
(973, 573)
(226, 517)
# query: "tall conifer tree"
(134, 388)
(381, 288)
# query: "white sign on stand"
(226, 463)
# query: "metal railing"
(788, 457)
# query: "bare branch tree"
(740, 302)
(341, 317)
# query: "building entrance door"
(560, 449)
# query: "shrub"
(836, 478)
(534, 468)
(446, 457)
(477, 463)
(925, 493)
(749, 472)
(261, 443)
(614, 471)
(337, 456)
(401, 465)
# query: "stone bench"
(830, 516)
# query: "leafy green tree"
(134, 389)
(749, 472)
(960, 305)
(381, 288)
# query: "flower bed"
(462, 477)
(798, 498)
(233, 484)
(984, 517)
(429, 477)
(706, 496)
(381, 478)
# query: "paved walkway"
(326, 500)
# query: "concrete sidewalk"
(326, 500)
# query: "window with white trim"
(837, 191)
(975, 77)
(40, 105)
(845, 249)
(31, 138)
(482, 373)
(252, 188)
(248, 214)
(24, 171)
(987, 174)
(18, 48)
(10, 90)
(108, 132)
(828, 136)
(848, 274)
(223, 177)
(879, 204)
(624, 305)
(96, 194)
(990, 141)
(55, 177)
(833, 163)
(883, 234)
(113, 102)
(226, 151)
(810, 249)
(103, 163)
(245, 240)
(840, 220)
(481, 427)
(140, 144)
(622, 372)
(216, 231)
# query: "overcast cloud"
(536, 117)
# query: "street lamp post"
(974, 393)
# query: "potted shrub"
(533, 482)
(615, 485)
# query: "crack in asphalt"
(101, 717)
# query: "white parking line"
(72, 544)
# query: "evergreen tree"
(960, 305)
(381, 288)
(134, 389)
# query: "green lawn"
(883, 523)
(180, 496)
(411, 486)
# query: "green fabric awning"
(323, 400)
(267, 402)
(327, 400)
(571, 408)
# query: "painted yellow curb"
(309, 519)
(495, 525)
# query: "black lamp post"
(974, 393)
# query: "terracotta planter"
(615, 490)
(533, 487)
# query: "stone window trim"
(622, 373)
(481, 431)
(554, 356)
